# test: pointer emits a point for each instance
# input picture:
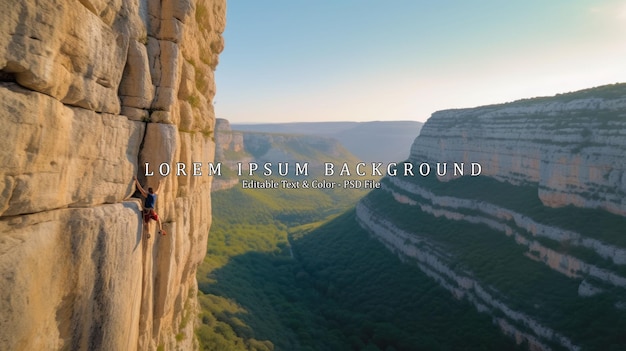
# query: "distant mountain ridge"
(233, 147)
(377, 141)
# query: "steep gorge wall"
(537, 240)
(89, 91)
(229, 150)
(572, 146)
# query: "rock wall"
(431, 259)
(89, 91)
(229, 150)
(535, 241)
(572, 145)
(226, 140)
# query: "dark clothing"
(150, 201)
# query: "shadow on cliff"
(343, 290)
(135, 207)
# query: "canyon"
(92, 90)
(537, 238)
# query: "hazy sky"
(363, 60)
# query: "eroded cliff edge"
(537, 240)
(90, 90)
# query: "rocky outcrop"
(546, 214)
(90, 91)
(227, 141)
(572, 146)
(433, 261)
(229, 150)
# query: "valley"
(294, 271)
(528, 253)
(291, 269)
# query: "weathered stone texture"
(573, 149)
(89, 90)
(63, 50)
(70, 275)
(56, 156)
(567, 150)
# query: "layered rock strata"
(229, 151)
(536, 240)
(572, 146)
(90, 91)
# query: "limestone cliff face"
(89, 91)
(535, 241)
(226, 140)
(229, 149)
(572, 146)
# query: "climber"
(149, 204)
